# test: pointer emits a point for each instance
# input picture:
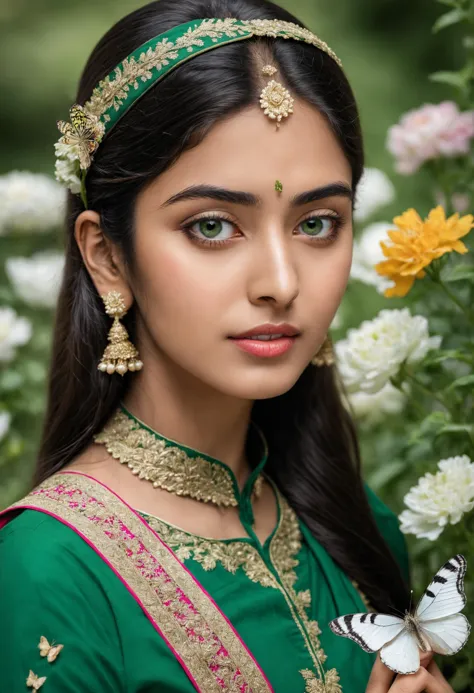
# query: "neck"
(194, 415)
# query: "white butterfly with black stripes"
(435, 624)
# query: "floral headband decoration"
(149, 63)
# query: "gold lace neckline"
(178, 468)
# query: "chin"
(260, 385)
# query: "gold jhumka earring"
(276, 101)
(325, 355)
(120, 355)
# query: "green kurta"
(278, 596)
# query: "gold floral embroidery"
(315, 685)
(112, 93)
(34, 681)
(47, 650)
(284, 548)
(209, 552)
(198, 633)
(166, 466)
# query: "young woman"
(197, 515)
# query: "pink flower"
(430, 132)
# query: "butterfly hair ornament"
(436, 623)
(90, 122)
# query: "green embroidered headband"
(149, 63)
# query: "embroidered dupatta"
(200, 636)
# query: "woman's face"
(220, 251)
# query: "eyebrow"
(211, 192)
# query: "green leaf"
(453, 17)
(386, 473)
(458, 273)
(464, 381)
(454, 79)
(429, 426)
(456, 428)
(441, 356)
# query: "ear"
(101, 257)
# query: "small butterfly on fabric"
(83, 134)
(435, 625)
(34, 681)
(47, 650)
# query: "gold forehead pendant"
(276, 101)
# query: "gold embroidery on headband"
(276, 101)
(112, 93)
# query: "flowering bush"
(439, 498)
(430, 132)
(408, 372)
(31, 210)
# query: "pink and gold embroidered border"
(199, 634)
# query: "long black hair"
(314, 454)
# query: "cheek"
(181, 290)
(329, 276)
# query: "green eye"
(209, 227)
(314, 225)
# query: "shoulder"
(40, 554)
(37, 532)
(389, 528)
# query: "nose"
(274, 273)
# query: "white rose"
(5, 420)
(14, 331)
(30, 202)
(439, 499)
(37, 279)
(373, 353)
(372, 409)
(367, 253)
(375, 190)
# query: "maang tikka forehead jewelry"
(275, 99)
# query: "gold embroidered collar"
(178, 468)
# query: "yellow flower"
(417, 243)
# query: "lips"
(284, 329)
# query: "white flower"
(372, 409)
(30, 202)
(439, 499)
(14, 331)
(373, 353)
(375, 190)
(367, 253)
(5, 420)
(67, 166)
(37, 279)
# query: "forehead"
(247, 150)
